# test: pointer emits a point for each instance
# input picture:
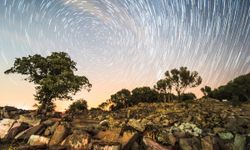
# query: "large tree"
(182, 78)
(54, 77)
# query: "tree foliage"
(144, 94)
(182, 78)
(78, 106)
(206, 91)
(236, 90)
(164, 87)
(54, 76)
(121, 98)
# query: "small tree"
(121, 98)
(143, 94)
(53, 76)
(206, 91)
(182, 79)
(162, 86)
(78, 106)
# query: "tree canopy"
(182, 78)
(54, 76)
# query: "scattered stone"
(38, 140)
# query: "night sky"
(125, 43)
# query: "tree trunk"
(165, 99)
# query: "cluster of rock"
(203, 124)
(10, 112)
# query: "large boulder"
(77, 140)
(15, 129)
(59, 135)
(5, 126)
(36, 130)
(38, 140)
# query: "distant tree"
(53, 76)
(121, 98)
(206, 91)
(78, 106)
(143, 94)
(188, 96)
(237, 90)
(182, 79)
(162, 86)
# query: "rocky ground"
(205, 124)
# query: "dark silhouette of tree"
(143, 94)
(206, 91)
(188, 96)
(237, 90)
(164, 86)
(182, 78)
(78, 106)
(121, 98)
(53, 76)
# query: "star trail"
(125, 43)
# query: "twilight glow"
(125, 43)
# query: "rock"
(226, 135)
(38, 140)
(5, 126)
(60, 133)
(150, 144)
(136, 125)
(15, 129)
(51, 129)
(171, 139)
(77, 140)
(48, 122)
(36, 130)
(189, 144)
(209, 143)
(29, 119)
(104, 123)
(106, 146)
(217, 130)
(239, 142)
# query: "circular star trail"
(129, 43)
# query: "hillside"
(202, 124)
